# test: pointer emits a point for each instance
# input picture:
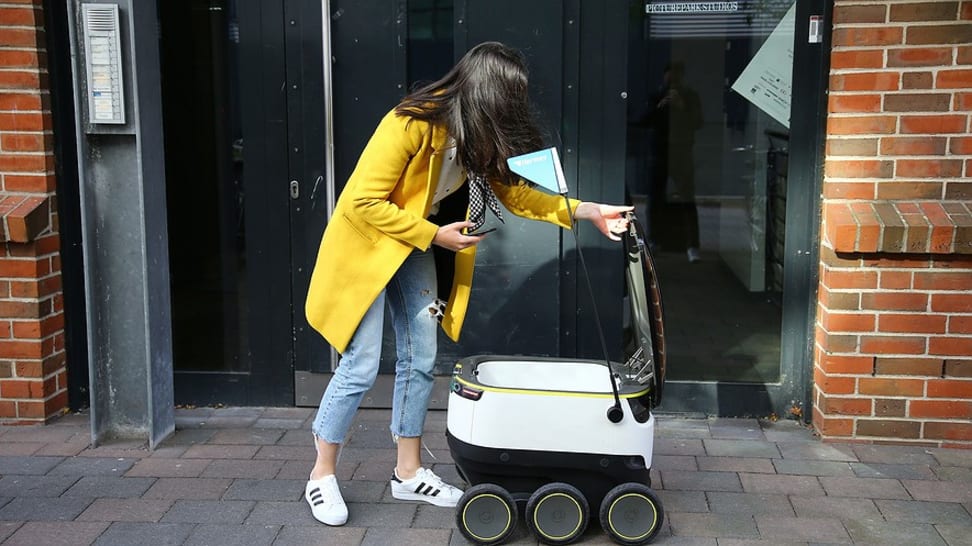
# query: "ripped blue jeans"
(411, 295)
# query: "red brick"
(874, 13)
(867, 36)
(940, 409)
(949, 431)
(852, 146)
(887, 428)
(929, 367)
(857, 58)
(951, 303)
(859, 168)
(913, 145)
(19, 102)
(943, 280)
(893, 345)
(920, 56)
(917, 102)
(954, 79)
(30, 183)
(939, 34)
(912, 324)
(864, 125)
(960, 324)
(840, 103)
(964, 55)
(897, 190)
(19, 58)
(846, 364)
(18, 37)
(884, 386)
(24, 121)
(25, 142)
(834, 384)
(966, 10)
(928, 168)
(19, 388)
(20, 79)
(960, 145)
(19, 17)
(917, 80)
(894, 301)
(850, 279)
(924, 11)
(949, 388)
(31, 409)
(950, 346)
(895, 280)
(865, 81)
(847, 322)
(848, 190)
(889, 407)
(832, 426)
(846, 406)
(933, 124)
(958, 368)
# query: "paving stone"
(282, 424)
(42, 434)
(810, 529)
(955, 535)
(395, 515)
(268, 490)
(678, 446)
(43, 509)
(281, 513)
(8, 528)
(805, 467)
(361, 454)
(713, 525)
(92, 466)
(834, 507)
(168, 468)
(243, 468)
(288, 413)
(740, 448)
(787, 431)
(681, 501)
(893, 471)
(736, 429)
(373, 471)
(319, 534)
(247, 436)
(701, 481)
(816, 451)
(35, 486)
(938, 491)
(203, 511)
(736, 464)
(187, 488)
(434, 517)
(892, 532)
(300, 470)
(782, 484)
(240, 411)
(406, 537)
(295, 438)
(871, 488)
(747, 542)
(63, 449)
(953, 473)
(188, 437)
(111, 487)
(952, 457)
(145, 534)
(298, 453)
(232, 535)
(18, 449)
(748, 503)
(56, 533)
(891, 454)
(220, 452)
(674, 462)
(27, 466)
(682, 428)
(924, 512)
(147, 510)
(370, 435)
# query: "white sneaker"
(693, 254)
(326, 502)
(425, 486)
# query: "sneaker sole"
(409, 496)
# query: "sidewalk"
(236, 476)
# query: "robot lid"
(644, 329)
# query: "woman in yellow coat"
(403, 233)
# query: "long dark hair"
(484, 105)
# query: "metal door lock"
(294, 189)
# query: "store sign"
(691, 7)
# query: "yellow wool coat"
(381, 217)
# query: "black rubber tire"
(486, 514)
(557, 513)
(631, 514)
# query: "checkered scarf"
(481, 196)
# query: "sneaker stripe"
(419, 488)
(436, 492)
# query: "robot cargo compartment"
(545, 375)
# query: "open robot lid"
(644, 329)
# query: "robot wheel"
(486, 514)
(631, 514)
(557, 513)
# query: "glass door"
(708, 131)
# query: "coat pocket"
(363, 229)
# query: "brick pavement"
(236, 476)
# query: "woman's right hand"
(450, 236)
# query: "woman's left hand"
(608, 219)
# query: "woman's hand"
(608, 219)
(450, 236)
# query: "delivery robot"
(564, 439)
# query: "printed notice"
(767, 80)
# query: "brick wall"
(33, 377)
(893, 359)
